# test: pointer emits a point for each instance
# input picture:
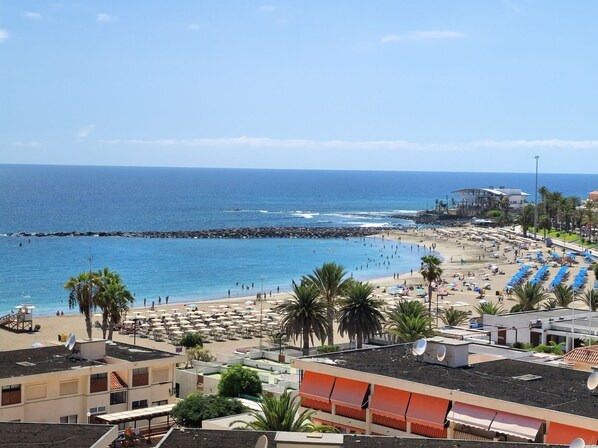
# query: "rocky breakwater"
(442, 219)
(236, 233)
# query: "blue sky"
(381, 85)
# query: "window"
(100, 410)
(11, 394)
(35, 392)
(139, 404)
(140, 377)
(118, 397)
(160, 375)
(69, 387)
(68, 419)
(98, 382)
(159, 403)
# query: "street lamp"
(261, 312)
(536, 202)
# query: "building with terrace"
(55, 384)
(470, 392)
(475, 200)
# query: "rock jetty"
(235, 233)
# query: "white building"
(487, 198)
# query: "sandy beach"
(468, 253)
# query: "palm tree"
(528, 297)
(454, 317)
(119, 299)
(563, 295)
(431, 272)
(304, 314)
(590, 298)
(408, 322)
(359, 314)
(282, 414)
(83, 292)
(489, 308)
(589, 219)
(331, 283)
(526, 218)
(113, 299)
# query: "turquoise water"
(58, 198)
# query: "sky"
(369, 85)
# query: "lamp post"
(261, 312)
(536, 202)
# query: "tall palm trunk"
(359, 338)
(104, 323)
(110, 330)
(330, 323)
(88, 324)
(306, 341)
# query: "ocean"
(72, 198)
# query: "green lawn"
(564, 236)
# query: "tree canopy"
(239, 380)
(193, 410)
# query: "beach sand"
(454, 244)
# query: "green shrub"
(328, 349)
(239, 380)
(191, 412)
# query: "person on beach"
(144, 301)
(167, 299)
(159, 300)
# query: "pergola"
(138, 414)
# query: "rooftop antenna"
(592, 382)
(578, 443)
(66, 342)
(441, 353)
(419, 347)
(71, 341)
(262, 442)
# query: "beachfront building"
(593, 196)
(453, 389)
(58, 385)
(475, 201)
(560, 325)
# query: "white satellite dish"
(441, 353)
(593, 381)
(578, 443)
(420, 347)
(262, 442)
(71, 341)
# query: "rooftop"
(47, 435)
(246, 439)
(559, 388)
(33, 361)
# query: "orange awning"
(349, 393)
(565, 434)
(316, 386)
(427, 410)
(469, 415)
(516, 425)
(389, 402)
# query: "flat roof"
(33, 361)
(560, 389)
(211, 438)
(136, 414)
(50, 435)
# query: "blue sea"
(38, 198)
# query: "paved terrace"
(560, 388)
(51, 435)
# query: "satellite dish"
(578, 443)
(262, 442)
(441, 353)
(71, 341)
(593, 381)
(420, 347)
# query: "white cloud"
(266, 8)
(195, 26)
(422, 35)
(3, 35)
(105, 18)
(85, 131)
(264, 142)
(32, 15)
(29, 144)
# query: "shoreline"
(470, 245)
